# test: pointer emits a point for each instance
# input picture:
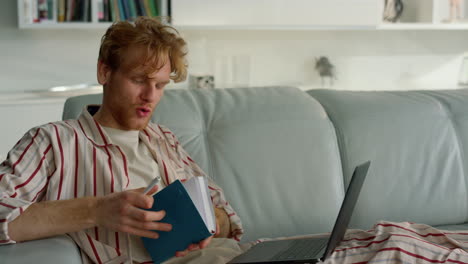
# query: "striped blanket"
(404, 242)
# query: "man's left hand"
(221, 231)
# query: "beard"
(127, 119)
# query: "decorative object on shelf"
(455, 10)
(393, 10)
(43, 10)
(326, 70)
(201, 81)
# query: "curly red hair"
(158, 43)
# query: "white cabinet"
(275, 13)
(19, 117)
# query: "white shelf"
(66, 25)
(275, 27)
(397, 26)
(422, 26)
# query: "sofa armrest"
(54, 250)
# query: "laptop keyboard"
(302, 249)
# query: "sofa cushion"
(416, 144)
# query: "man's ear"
(103, 72)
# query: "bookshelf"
(233, 15)
(68, 14)
(222, 14)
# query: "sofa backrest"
(417, 142)
(273, 151)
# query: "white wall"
(368, 60)
(40, 59)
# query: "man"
(85, 177)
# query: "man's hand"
(122, 212)
(202, 244)
(223, 223)
(223, 226)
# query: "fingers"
(142, 189)
(138, 190)
(143, 215)
(206, 242)
(181, 253)
(153, 190)
(140, 232)
(121, 212)
(191, 247)
(137, 199)
(147, 225)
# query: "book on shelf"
(86, 14)
(113, 11)
(27, 10)
(54, 11)
(146, 6)
(45, 11)
(77, 10)
(121, 9)
(141, 7)
(189, 210)
(154, 8)
(58, 11)
(133, 10)
(126, 9)
(61, 11)
(164, 9)
(34, 11)
(69, 7)
(106, 7)
(100, 10)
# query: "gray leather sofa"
(284, 157)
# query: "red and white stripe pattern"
(405, 242)
(75, 158)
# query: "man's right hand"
(122, 212)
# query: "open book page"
(197, 188)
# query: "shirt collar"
(94, 131)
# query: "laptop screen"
(347, 207)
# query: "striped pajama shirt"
(75, 158)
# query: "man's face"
(130, 94)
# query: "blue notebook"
(180, 201)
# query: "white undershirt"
(142, 169)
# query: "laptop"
(309, 250)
